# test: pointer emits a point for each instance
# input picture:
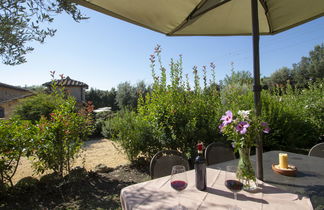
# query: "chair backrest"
(317, 150)
(218, 152)
(162, 162)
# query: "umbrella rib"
(186, 20)
(208, 9)
(194, 14)
(266, 11)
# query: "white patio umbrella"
(215, 18)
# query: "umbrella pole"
(256, 85)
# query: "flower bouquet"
(242, 130)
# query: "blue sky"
(103, 52)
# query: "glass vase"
(245, 172)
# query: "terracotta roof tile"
(68, 82)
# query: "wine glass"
(232, 183)
(178, 181)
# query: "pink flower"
(157, 49)
(52, 73)
(221, 126)
(265, 126)
(242, 127)
(227, 118)
(62, 76)
(152, 58)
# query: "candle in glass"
(283, 160)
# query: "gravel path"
(94, 152)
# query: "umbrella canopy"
(216, 18)
(209, 17)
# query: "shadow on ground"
(78, 190)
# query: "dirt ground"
(82, 188)
(94, 152)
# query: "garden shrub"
(296, 116)
(16, 140)
(237, 97)
(176, 115)
(61, 134)
(173, 116)
(32, 108)
(99, 121)
(54, 140)
(278, 119)
(311, 101)
(61, 137)
(134, 134)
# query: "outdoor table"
(309, 180)
(158, 194)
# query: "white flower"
(244, 113)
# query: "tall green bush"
(237, 97)
(54, 140)
(177, 114)
(61, 134)
(99, 120)
(61, 137)
(173, 116)
(16, 140)
(134, 134)
(32, 108)
(296, 116)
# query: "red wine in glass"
(178, 181)
(179, 185)
(234, 185)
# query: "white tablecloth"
(158, 194)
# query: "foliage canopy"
(32, 108)
(306, 71)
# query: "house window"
(1, 112)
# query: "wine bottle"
(200, 169)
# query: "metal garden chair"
(162, 162)
(317, 150)
(218, 152)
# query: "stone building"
(10, 97)
(72, 87)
